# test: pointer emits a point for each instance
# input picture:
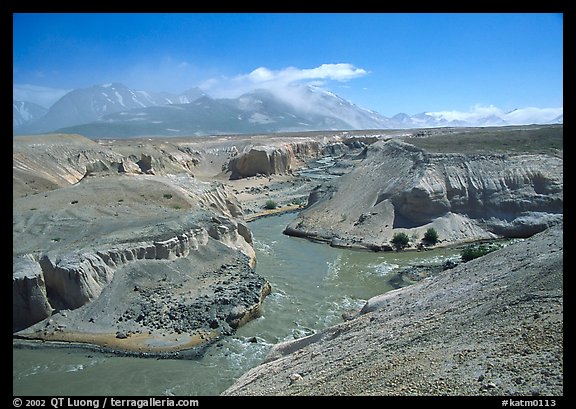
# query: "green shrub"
(270, 204)
(400, 240)
(431, 236)
(471, 252)
(167, 196)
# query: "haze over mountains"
(24, 112)
(116, 111)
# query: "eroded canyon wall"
(465, 197)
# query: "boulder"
(128, 166)
(145, 164)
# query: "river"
(312, 285)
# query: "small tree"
(400, 240)
(270, 204)
(431, 236)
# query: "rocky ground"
(141, 245)
(397, 187)
(491, 326)
(120, 259)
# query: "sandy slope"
(492, 326)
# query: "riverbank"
(273, 212)
(492, 326)
(313, 285)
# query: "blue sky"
(390, 63)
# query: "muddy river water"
(312, 284)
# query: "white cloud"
(260, 75)
(337, 72)
(532, 115)
(279, 80)
(475, 113)
(483, 115)
(40, 95)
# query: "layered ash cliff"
(102, 240)
(464, 197)
(269, 160)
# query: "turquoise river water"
(312, 285)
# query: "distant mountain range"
(26, 112)
(87, 105)
(116, 111)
